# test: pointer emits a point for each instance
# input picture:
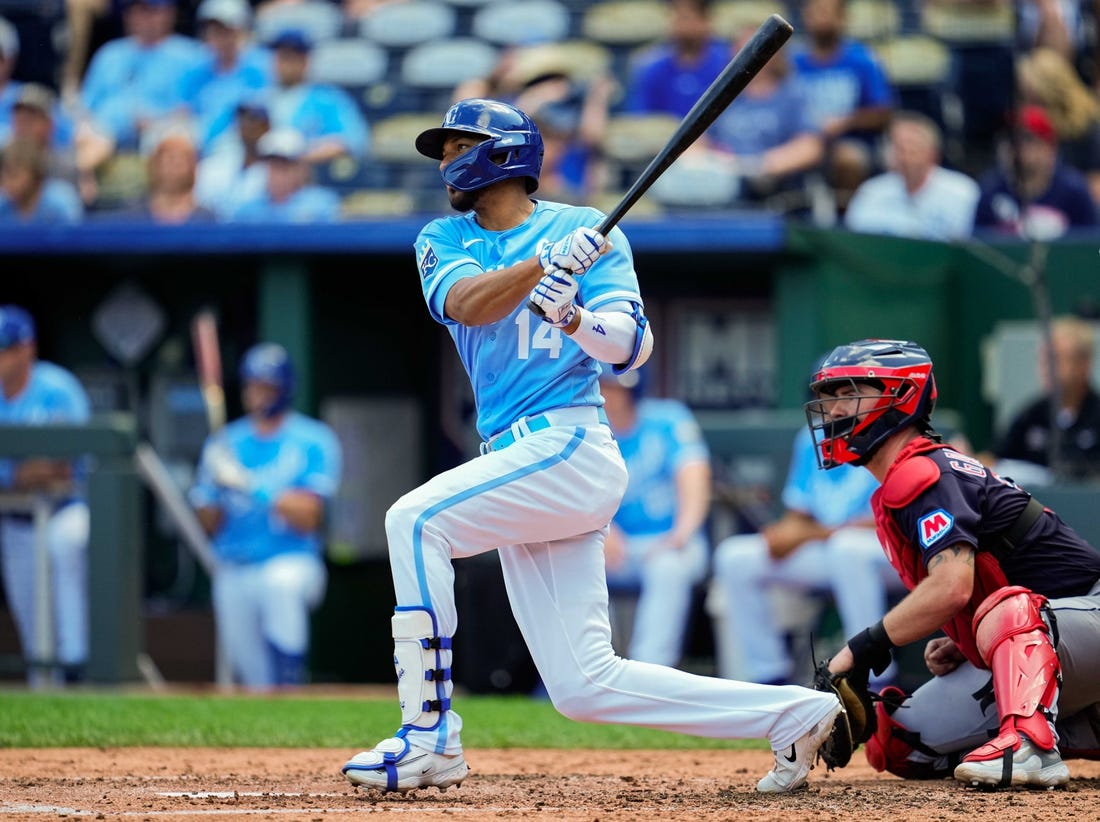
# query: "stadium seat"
(730, 16)
(121, 180)
(914, 59)
(320, 19)
(350, 62)
(392, 152)
(435, 68)
(533, 21)
(581, 60)
(963, 22)
(625, 22)
(631, 141)
(370, 203)
(408, 23)
(696, 180)
(872, 20)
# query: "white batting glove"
(554, 295)
(576, 252)
(226, 470)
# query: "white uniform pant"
(666, 579)
(545, 502)
(67, 545)
(850, 563)
(263, 604)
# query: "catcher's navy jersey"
(970, 504)
(521, 366)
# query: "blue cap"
(16, 326)
(291, 39)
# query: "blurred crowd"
(926, 118)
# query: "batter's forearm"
(492, 295)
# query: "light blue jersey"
(127, 82)
(834, 497)
(665, 436)
(521, 366)
(302, 454)
(52, 396)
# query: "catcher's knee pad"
(1015, 643)
(889, 747)
(422, 659)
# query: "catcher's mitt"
(852, 691)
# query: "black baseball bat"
(746, 64)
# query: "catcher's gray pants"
(956, 713)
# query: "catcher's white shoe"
(395, 765)
(1029, 766)
(793, 764)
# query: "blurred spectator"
(1045, 78)
(36, 392)
(234, 68)
(1028, 438)
(917, 197)
(289, 197)
(768, 132)
(326, 116)
(1030, 192)
(671, 76)
(657, 540)
(570, 109)
(171, 159)
(135, 80)
(89, 23)
(234, 172)
(27, 192)
(36, 116)
(572, 117)
(9, 89)
(850, 97)
(1053, 24)
(824, 541)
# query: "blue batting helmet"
(270, 363)
(16, 326)
(511, 147)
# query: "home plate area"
(168, 784)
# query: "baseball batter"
(261, 490)
(549, 478)
(36, 392)
(1016, 683)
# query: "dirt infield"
(174, 785)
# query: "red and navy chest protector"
(934, 498)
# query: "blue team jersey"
(303, 453)
(127, 82)
(53, 396)
(665, 437)
(521, 366)
(660, 82)
(833, 497)
(851, 79)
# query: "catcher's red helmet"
(901, 370)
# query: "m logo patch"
(931, 528)
(428, 260)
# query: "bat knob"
(538, 312)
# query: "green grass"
(63, 719)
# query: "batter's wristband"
(870, 646)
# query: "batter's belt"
(525, 426)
